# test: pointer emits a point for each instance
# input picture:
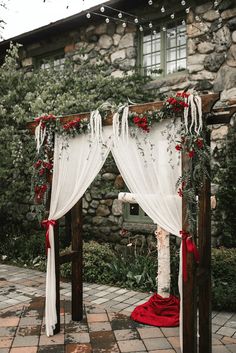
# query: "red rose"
(136, 119)
(178, 147)
(180, 192)
(191, 153)
(38, 164)
(41, 171)
(199, 143)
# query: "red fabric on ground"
(158, 311)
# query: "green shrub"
(224, 279)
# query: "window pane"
(171, 54)
(181, 53)
(171, 67)
(147, 47)
(181, 65)
(147, 60)
(134, 209)
(156, 45)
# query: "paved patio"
(106, 327)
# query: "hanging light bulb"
(183, 2)
(88, 15)
(216, 3)
(163, 9)
(150, 2)
(120, 15)
(102, 9)
(197, 18)
(220, 20)
(187, 10)
(154, 32)
(150, 25)
(141, 28)
(172, 16)
(183, 22)
(136, 20)
(124, 24)
(164, 29)
(107, 20)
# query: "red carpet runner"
(158, 311)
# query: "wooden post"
(57, 273)
(204, 276)
(77, 262)
(189, 288)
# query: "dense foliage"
(24, 95)
(225, 177)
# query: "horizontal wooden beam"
(67, 257)
(208, 101)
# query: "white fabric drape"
(144, 163)
(75, 167)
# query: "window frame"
(140, 218)
(49, 58)
(163, 50)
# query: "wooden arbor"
(199, 279)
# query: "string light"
(150, 25)
(216, 3)
(107, 20)
(183, 2)
(124, 24)
(150, 2)
(187, 10)
(141, 28)
(163, 9)
(120, 15)
(183, 22)
(164, 28)
(154, 32)
(88, 15)
(197, 18)
(172, 16)
(136, 20)
(102, 9)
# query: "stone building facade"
(209, 65)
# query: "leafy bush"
(224, 279)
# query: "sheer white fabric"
(144, 163)
(75, 167)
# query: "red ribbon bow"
(47, 223)
(188, 246)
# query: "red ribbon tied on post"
(188, 246)
(47, 223)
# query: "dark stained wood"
(57, 272)
(220, 115)
(77, 262)
(208, 101)
(68, 257)
(204, 278)
(189, 288)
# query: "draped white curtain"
(144, 163)
(75, 167)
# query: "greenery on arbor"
(25, 95)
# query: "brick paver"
(106, 326)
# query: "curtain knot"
(188, 245)
(46, 224)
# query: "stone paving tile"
(4, 350)
(149, 332)
(102, 339)
(24, 350)
(30, 341)
(120, 306)
(174, 341)
(162, 351)
(7, 331)
(131, 346)
(5, 342)
(9, 321)
(99, 326)
(220, 349)
(215, 328)
(76, 348)
(231, 348)
(52, 349)
(79, 337)
(100, 301)
(228, 340)
(53, 340)
(122, 335)
(221, 318)
(170, 331)
(97, 317)
(101, 294)
(156, 343)
(226, 331)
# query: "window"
(164, 53)
(134, 213)
(54, 59)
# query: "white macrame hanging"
(195, 107)
(40, 134)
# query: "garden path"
(106, 327)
